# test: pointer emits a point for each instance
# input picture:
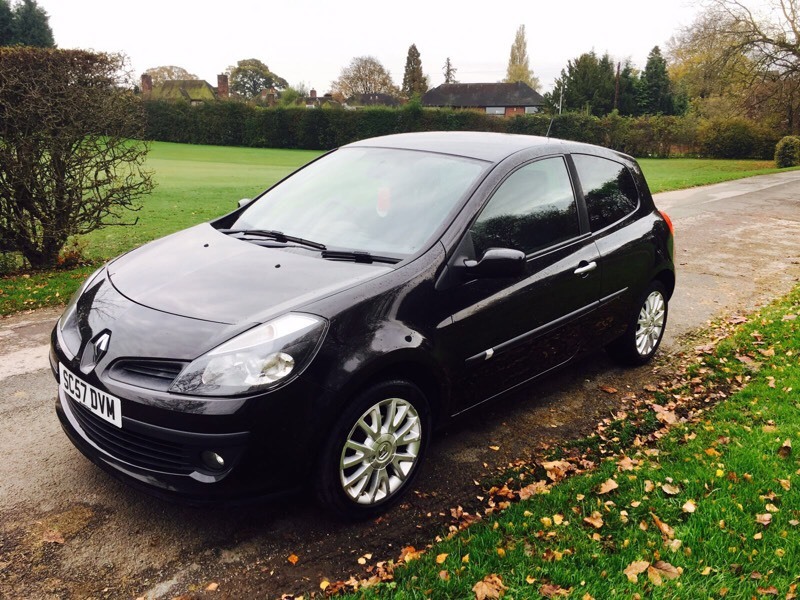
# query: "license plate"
(104, 405)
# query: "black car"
(317, 335)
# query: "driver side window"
(532, 209)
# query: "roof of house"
(467, 95)
(192, 90)
(377, 99)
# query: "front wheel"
(645, 329)
(374, 450)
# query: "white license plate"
(104, 405)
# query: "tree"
(414, 81)
(656, 97)
(449, 72)
(736, 61)
(31, 26)
(250, 76)
(6, 23)
(518, 67)
(169, 73)
(70, 156)
(364, 75)
(588, 85)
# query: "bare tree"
(70, 156)
(169, 73)
(364, 75)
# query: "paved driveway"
(738, 245)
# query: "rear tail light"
(669, 222)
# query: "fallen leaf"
(636, 568)
(444, 575)
(607, 486)
(558, 519)
(608, 389)
(737, 319)
(324, 584)
(771, 381)
(549, 590)
(764, 519)
(770, 591)
(410, 553)
(495, 448)
(212, 587)
(530, 579)
(665, 529)
(652, 388)
(440, 558)
(626, 464)
(596, 520)
(537, 487)
(557, 469)
(547, 522)
(706, 571)
(689, 507)
(660, 570)
(490, 586)
(670, 489)
(51, 536)
(293, 559)
(649, 486)
(786, 449)
(788, 317)
(785, 484)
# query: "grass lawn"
(198, 183)
(712, 510)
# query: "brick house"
(500, 99)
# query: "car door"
(623, 240)
(506, 330)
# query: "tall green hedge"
(239, 124)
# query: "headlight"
(73, 302)
(257, 359)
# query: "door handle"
(585, 268)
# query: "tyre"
(645, 329)
(374, 450)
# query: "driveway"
(67, 530)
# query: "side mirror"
(244, 202)
(497, 262)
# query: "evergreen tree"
(518, 67)
(414, 81)
(31, 26)
(449, 72)
(656, 95)
(588, 84)
(628, 98)
(6, 23)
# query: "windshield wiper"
(358, 256)
(278, 236)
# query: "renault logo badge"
(94, 351)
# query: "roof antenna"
(553, 118)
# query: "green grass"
(199, 183)
(727, 462)
(665, 174)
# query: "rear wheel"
(645, 329)
(374, 450)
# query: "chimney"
(272, 96)
(313, 94)
(147, 85)
(222, 86)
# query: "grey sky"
(311, 41)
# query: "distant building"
(377, 99)
(501, 99)
(193, 91)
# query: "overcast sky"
(310, 41)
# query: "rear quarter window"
(608, 188)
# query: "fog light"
(213, 460)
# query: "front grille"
(135, 448)
(149, 374)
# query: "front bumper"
(265, 441)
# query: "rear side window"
(532, 209)
(608, 188)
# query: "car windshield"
(377, 200)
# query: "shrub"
(787, 152)
(735, 138)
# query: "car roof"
(486, 146)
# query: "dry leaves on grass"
(661, 570)
(410, 553)
(533, 489)
(665, 529)
(636, 568)
(689, 507)
(490, 586)
(557, 469)
(671, 489)
(596, 520)
(786, 448)
(607, 486)
(550, 590)
(764, 519)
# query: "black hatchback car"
(318, 334)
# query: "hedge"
(787, 152)
(234, 123)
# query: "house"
(193, 91)
(376, 99)
(501, 99)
